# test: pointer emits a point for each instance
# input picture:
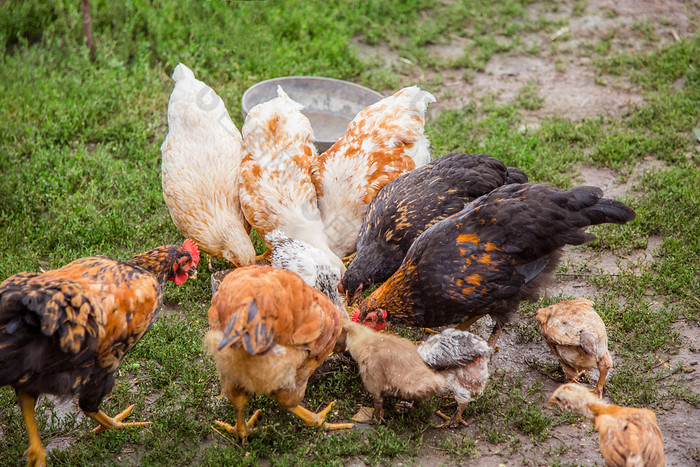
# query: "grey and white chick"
(311, 263)
(463, 359)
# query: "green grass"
(80, 159)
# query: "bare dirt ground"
(571, 90)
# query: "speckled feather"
(491, 255)
(66, 331)
(382, 142)
(201, 162)
(276, 190)
(463, 359)
(312, 264)
(410, 204)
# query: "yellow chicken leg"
(108, 423)
(455, 420)
(36, 457)
(467, 322)
(318, 419)
(242, 428)
(264, 256)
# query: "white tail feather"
(182, 72)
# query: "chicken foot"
(455, 420)
(36, 456)
(243, 428)
(108, 423)
(318, 419)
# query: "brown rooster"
(488, 257)
(270, 331)
(65, 332)
(407, 206)
(576, 335)
(628, 436)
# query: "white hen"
(201, 161)
(463, 359)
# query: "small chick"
(576, 335)
(390, 365)
(628, 436)
(463, 359)
(311, 263)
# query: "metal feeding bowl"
(330, 104)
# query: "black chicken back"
(498, 251)
(407, 206)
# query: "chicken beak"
(341, 290)
(192, 273)
(355, 296)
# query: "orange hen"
(382, 142)
(66, 331)
(628, 436)
(270, 331)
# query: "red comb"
(356, 315)
(192, 249)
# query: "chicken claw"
(319, 419)
(107, 423)
(451, 422)
(242, 429)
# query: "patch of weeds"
(459, 448)
(528, 98)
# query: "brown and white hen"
(382, 142)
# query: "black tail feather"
(609, 210)
(514, 175)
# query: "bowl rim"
(311, 78)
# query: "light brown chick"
(390, 366)
(270, 331)
(629, 437)
(576, 335)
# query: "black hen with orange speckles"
(413, 202)
(490, 256)
(65, 331)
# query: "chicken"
(628, 436)
(201, 160)
(276, 190)
(312, 264)
(382, 142)
(413, 202)
(269, 332)
(576, 335)
(463, 359)
(390, 366)
(65, 332)
(497, 251)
